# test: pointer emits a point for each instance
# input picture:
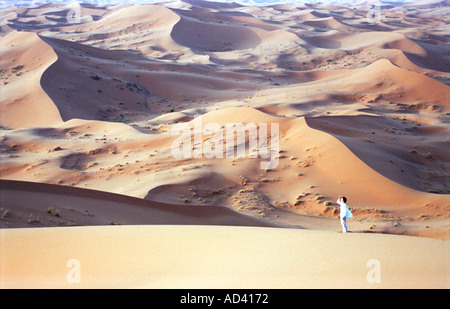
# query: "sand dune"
(414, 87)
(23, 69)
(49, 205)
(205, 257)
(212, 37)
(146, 26)
(395, 153)
(349, 41)
(88, 107)
(89, 154)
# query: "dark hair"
(344, 199)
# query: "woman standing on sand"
(344, 213)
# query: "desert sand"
(162, 256)
(87, 108)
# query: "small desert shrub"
(303, 194)
(33, 219)
(56, 212)
(298, 202)
(94, 151)
(17, 68)
(4, 213)
(243, 180)
(326, 209)
(217, 191)
(90, 164)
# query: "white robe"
(345, 212)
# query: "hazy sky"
(152, 1)
(31, 3)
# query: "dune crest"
(23, 69)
